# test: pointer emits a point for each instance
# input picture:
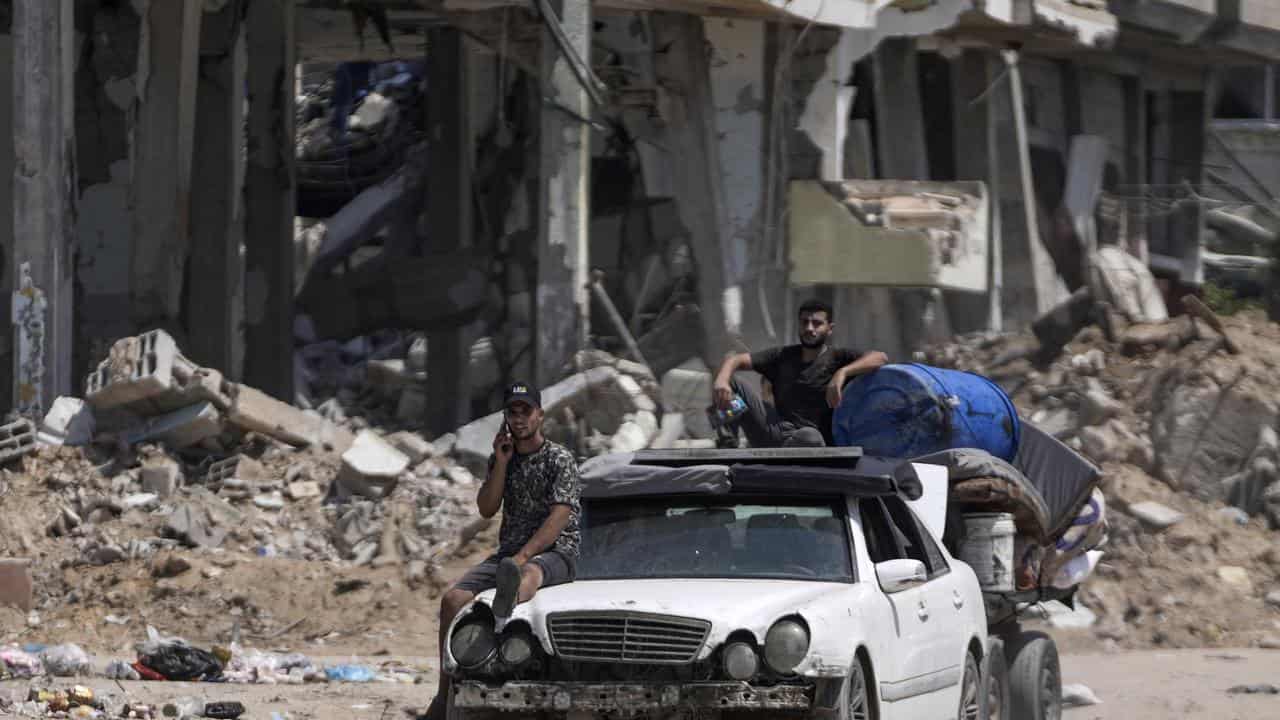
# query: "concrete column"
(565, 210)
(162, 152)
(1031, 283)
(6, 212)
(737, 88)
(43, 177)
(681, 63)
(449, 216)
(215, 286)
(270, 187)
(1190, 115)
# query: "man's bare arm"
(546, 536)
(489, 499)
(721, 392)
(864, 364)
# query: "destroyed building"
(517, 183)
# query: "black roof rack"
(838, 457)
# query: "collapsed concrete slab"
(179, 429)
(69, 422)
(253, 410)
(370, 467)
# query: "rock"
(1078, 696)
(459, 475)
(1273, 598)
(272, 501)
(1235, 577)
(16, 586)
(1235, 515)
(137, 501)
(1058, 422)
(69, 422)
(1096, 407)
(105, 555)
(1064, 618)
(168, 565)
(370, 466)
(161, 475)
(444, 444)
(687, 390)
(635, 433)
(303, 489)
(670, 429)
(412, 444)
(1270, 642)
(1198, 429)
(1099, 443)
(374, 112)
(1089, 363)
(1155, 515)
(192, 524)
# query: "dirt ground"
(1158, 684)
(1135, 685)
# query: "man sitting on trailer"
(807, 380)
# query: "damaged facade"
(294, 233)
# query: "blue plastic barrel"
(909, 410)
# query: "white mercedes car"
(801, 583)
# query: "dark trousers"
(763, 428)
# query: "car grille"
(626, 637)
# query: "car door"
(924, 675)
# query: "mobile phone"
(506, 430)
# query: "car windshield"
(715, 537)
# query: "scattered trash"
(120, 670)
(19, 664)
(65, 661)
(1078, 696)
(350, 673)
(228, 710)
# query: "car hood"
(730, 605)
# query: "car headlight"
(786, 645)
(473, 642)
(516, 649)
(740, 661)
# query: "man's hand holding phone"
(503, 444)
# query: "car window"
(882, 544)
(919, 543)
(716, 537)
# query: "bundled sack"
(1086, 532)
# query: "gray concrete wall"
(6, 211)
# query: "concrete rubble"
(1185, 431)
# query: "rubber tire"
(1035, 677)
(995, 683)
(972, 673)
(843, 712)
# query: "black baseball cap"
(524, 392)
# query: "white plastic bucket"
(988, 549)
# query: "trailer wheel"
(1035, 679)
(995, 683)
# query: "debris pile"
(1182, 418)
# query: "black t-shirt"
(800, 388)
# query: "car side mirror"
(898, 575)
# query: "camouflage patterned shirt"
(535, 482)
